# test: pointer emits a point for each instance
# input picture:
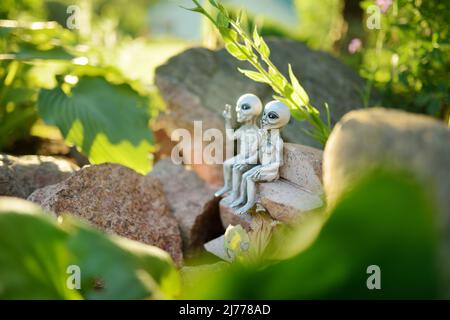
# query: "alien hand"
(227, 112)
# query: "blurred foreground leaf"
(34, 261)
(386, 220)
(107, 122)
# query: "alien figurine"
(248, 108)
(270, 153)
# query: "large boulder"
(191, 201)
(20, 176)
(375, 137)
(198, 83)
(117, 200)
(369, 139)
(289, 199)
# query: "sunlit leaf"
(236, 51)
(108, 123)
(254, 75)
(264, 48)
(300, 94)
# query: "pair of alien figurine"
(261, 149)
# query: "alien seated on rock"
(270, 154)
(248, 108)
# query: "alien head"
(276, 115)
(248, 107)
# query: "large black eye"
(273, 115)
(245, 106)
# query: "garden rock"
(191, 201)
(198, 83)
(116, 200)
(20, 176)
(377, 137)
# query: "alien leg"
(227, 172)
(251, 195)
(243, 190)
(238, 171)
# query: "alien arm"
(230, 132)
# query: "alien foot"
(229, 199)
(237, 203)
(222, 191)
(244, 209)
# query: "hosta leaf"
(255, 76)
(108, 123)
(126, 269)
(34, 262)
(300, 94)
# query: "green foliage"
(254, 50)
(408, 59)
(385, 220)
(107, 122)
(35, 253)
(105, 117)
(321, 22)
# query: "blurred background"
(48, 44)
(77, 80)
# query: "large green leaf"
(385, 220)
(34, 261)
(33, 257)
(125, 269)
(108, 123)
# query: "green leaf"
(255, 76)
(236, 51)
(222, 20)
(299, 95)
(34, 262)
(108, 123)
(32, 52)
(385, 219)
(264, 48)
(228, 35)
(256, 37)
(127, 269)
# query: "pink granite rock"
(228, 216)
(119, 201)
(191, 201)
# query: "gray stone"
(20, 176)
(303, 167)
(198, 83)
(287, 202)
(191, 201)
(377, 137)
